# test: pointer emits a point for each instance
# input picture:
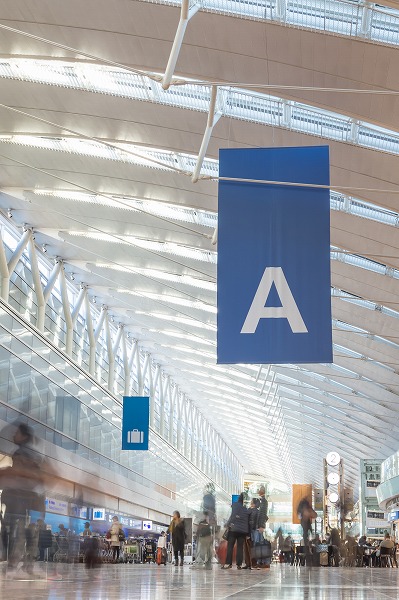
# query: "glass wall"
(67, 409)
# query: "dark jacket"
(178, 533)
(262, 517)
(253, 518)
(239, 519)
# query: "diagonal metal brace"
(213, 118)
(186, 14)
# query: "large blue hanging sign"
(274, 298)
(135, 422)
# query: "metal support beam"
(365, 26)
(37, 282)
(100, 323)
(139, 370)
(91, 336)
(152, 395)
(67, 313)
(19, 251)
(126, 371)
(186, 14)
(78, 304)
(281, 9)
(213, 118)
(5, 276)
(110, 353)
(51, 280)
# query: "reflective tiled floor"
(149, 582)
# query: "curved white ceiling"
(100, 167)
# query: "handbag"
(261, 550)
(225, 535)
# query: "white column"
(67, 313)
(78, 305)
(19, 251)
(5, 276)
(91, 336)
(172, 406)
(139, 370)
(37, 285)
(126, 369)
(52, 280)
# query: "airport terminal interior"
(152, 444)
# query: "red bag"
(108, 536)
(222, 552)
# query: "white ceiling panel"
(157, 272)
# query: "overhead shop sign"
(274, 282)
(135, 422)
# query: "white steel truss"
(89, 336)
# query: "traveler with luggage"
(238, 530)
(116, 536)
(178, 533)
(204, 543)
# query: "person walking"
(253, 532)
(238, 529)
(204, 543)
(117, 536)
(262, 520)
(178, 533)
(45, 539)
(22, 487)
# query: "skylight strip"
(349, 19)
(143, 156)
(190, 252)
(364, 263)
(167, 298)
(159, 208)
(210, 256)
(232, 102)
(195, 282)
(339, 202)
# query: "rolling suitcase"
(161, 556)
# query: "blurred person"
(87, 531)
(178, 534)
(306, 514)
(116, 537)
(23, 491)
(209, 503)
(238, 529)
(45, 538)
(63, 531)
(31, 542)
(286, 550)
(262, 520)
(387, 542)
(335, 545)
(253, 531)
(92, 557)
(204, 543)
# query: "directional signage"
(274, 284)
(135, 422)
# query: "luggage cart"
(62, 552)
(131, 553)
(149, 552)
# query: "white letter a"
(288, 309)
